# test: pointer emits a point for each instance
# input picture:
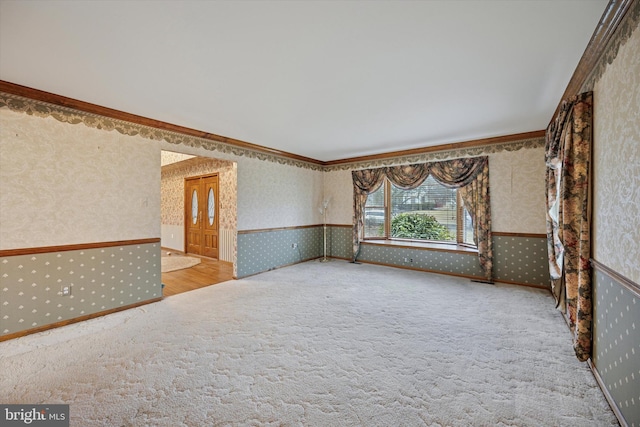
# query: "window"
(430, 212)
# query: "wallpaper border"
(446, 154)
(622, 30)
(622, 33)
(37, 108)
(20, 104)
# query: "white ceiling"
(323, 79)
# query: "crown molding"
(86, 107)
(600, 50)
(602, 47)
(44, 104)
(443, 147)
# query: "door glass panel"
(211, 202)
(194, 207)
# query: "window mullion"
(387, 208)
(459, 218)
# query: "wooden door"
(201, 215)
(193, 216)
(210, 215)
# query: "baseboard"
(166, 249)
(178, 252)
(75, 320)
(339, 257)
(279, 267)
(446, 273)
(610, 401)
(229, 263)
(530, 285)
(404, 267)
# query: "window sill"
(427, 246)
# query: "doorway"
(201, 215)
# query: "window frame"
(386, 186)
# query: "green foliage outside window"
(412, 225)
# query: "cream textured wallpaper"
(271, 195)
(616, 163)
(338, 187)
(63, 184)
(517, 192)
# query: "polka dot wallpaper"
(521, 260)
(517, 259)
(98, 279)
(446, 262)
(339, 242)
(263, 251)
(616, 349)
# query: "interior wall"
(170, 157)
(172, 202)
(616, 163)
(274, 196)
(516, 171)
(271, 193)
(516, 179)
(616, 221)
(68, 184)
(518, 191)
(338, 189)
(79, 210)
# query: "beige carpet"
(316, 344)
(177, 262)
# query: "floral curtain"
(408, 177)
(469, 175)
(364, 182)
(568, 157)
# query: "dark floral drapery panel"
(365, 181)
(469, 175)
(568, 158)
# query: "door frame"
(188, 207)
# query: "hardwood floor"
(207, 273)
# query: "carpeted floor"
(316, 344)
